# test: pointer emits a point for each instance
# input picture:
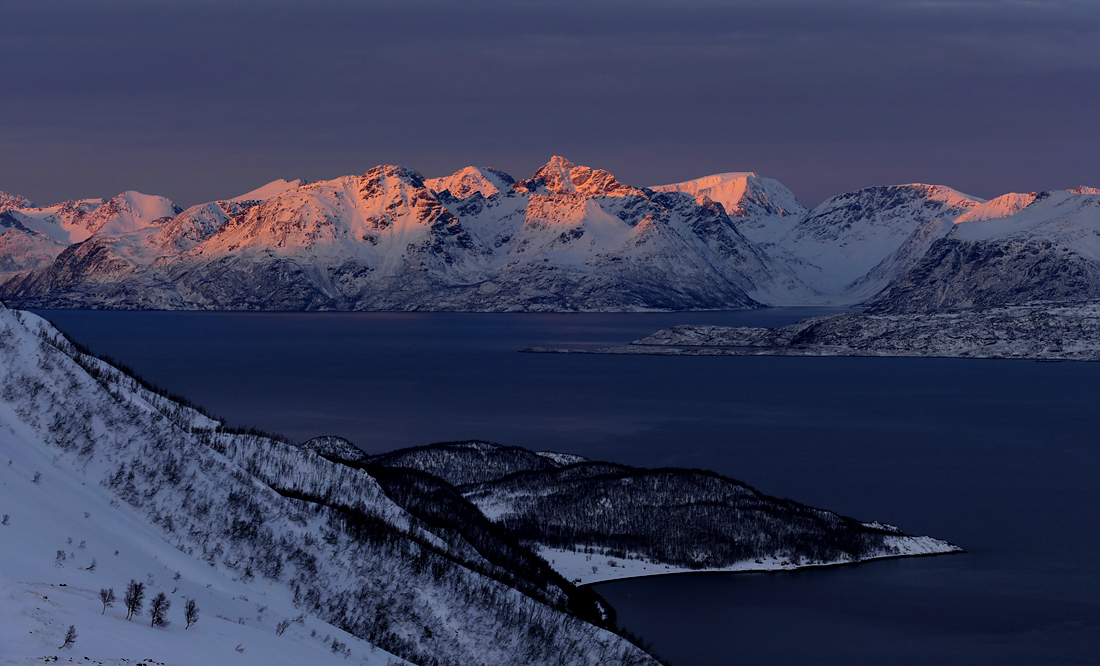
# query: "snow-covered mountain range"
(569, 238)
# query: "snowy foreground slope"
(96, 469)
(596, 521)
(1038, 331)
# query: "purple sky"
(205, 100)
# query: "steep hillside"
(191, 509)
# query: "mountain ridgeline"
(569, 238)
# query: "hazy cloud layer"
(203, 100)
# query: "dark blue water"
(1001, 457)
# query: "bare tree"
(135, 596)
(107, 596)
(191, 613)
(282, 627)
(158, 608)
(70, 637)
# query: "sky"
(201, 100)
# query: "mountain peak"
(8, 201)
(741, 194)
(393, 171)
(127, 212)
(1005, 205)
(271, 190)
(946, 195)
(469, 180)
(560, 176)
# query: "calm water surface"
(1001, 457)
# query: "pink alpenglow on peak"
(742, 194)
(272, 189)
(13, 201)
(1005, 205)
(471, 180)
(1012, 203)
(560, 176)
(128, 212)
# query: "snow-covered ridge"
(560, 176)
(838, 243)
(1003, 206)
(272, 189)
(13, 201)
(742, 194)
(470, 180)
